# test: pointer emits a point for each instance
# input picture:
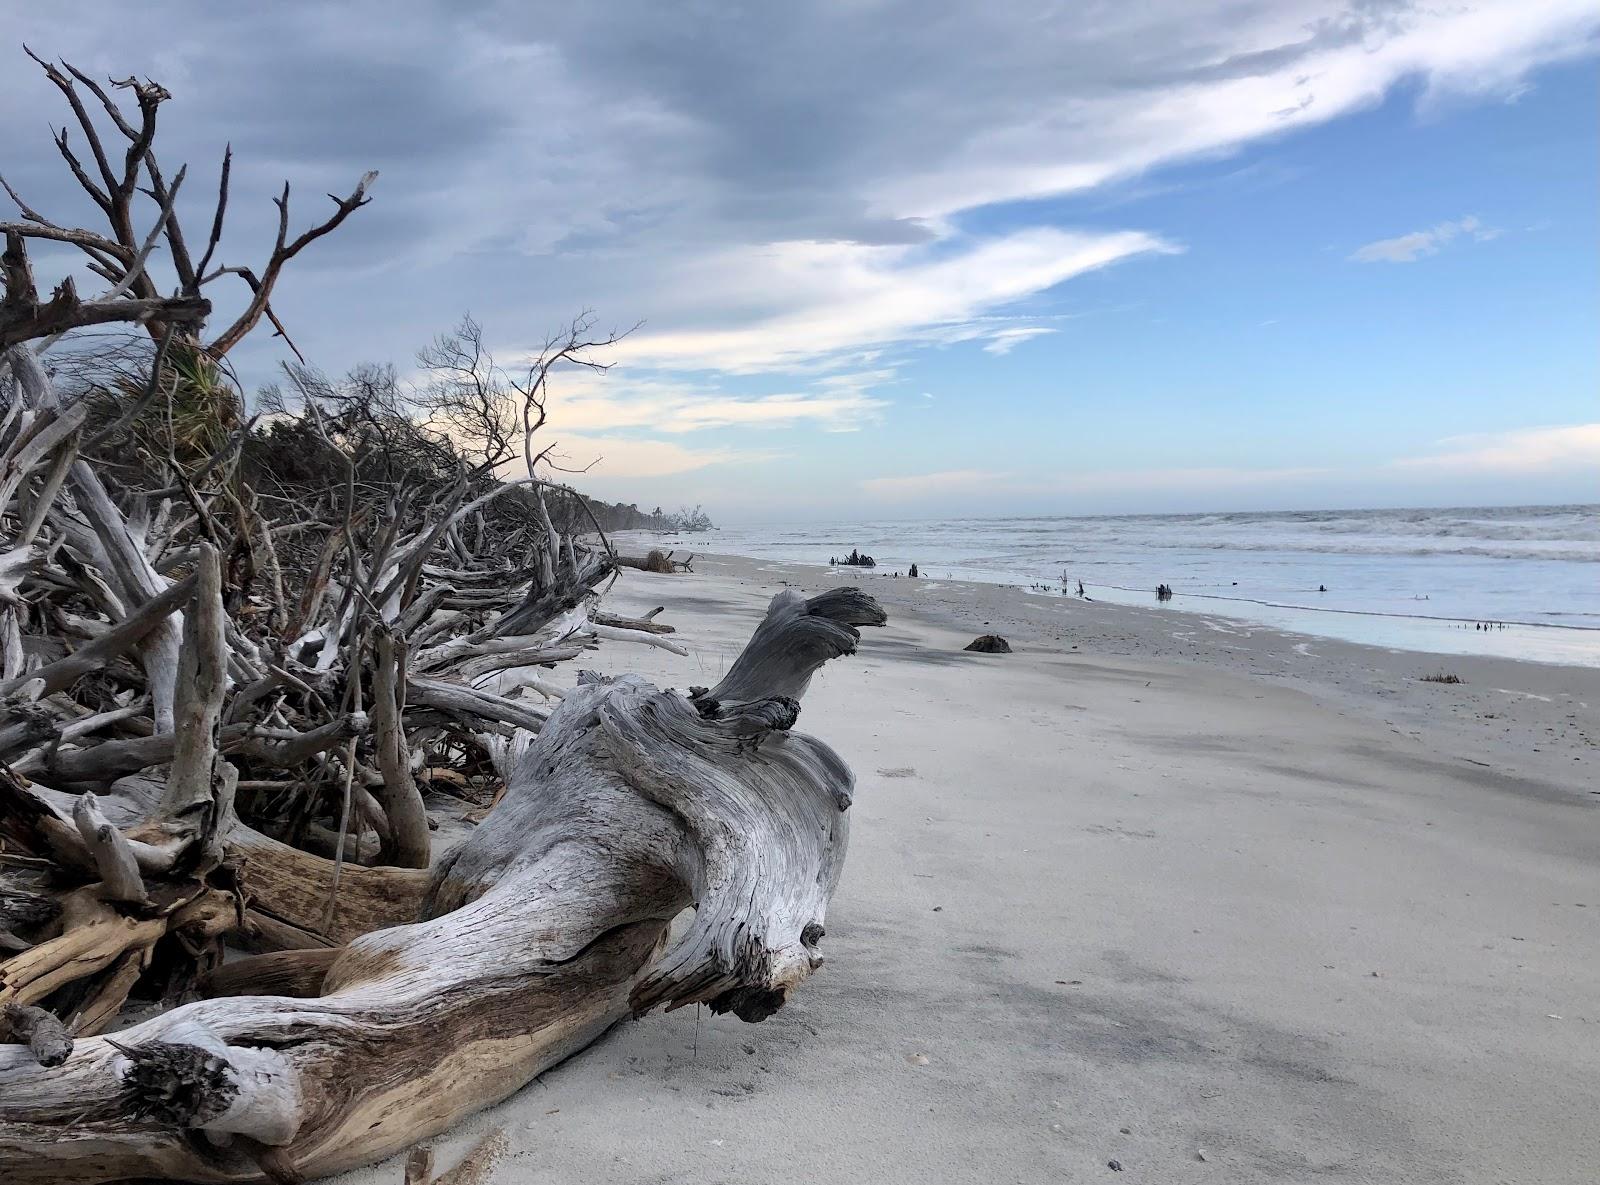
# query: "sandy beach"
(1215, 903)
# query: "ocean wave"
(1533, 565)
(1390, 613)
(1579, 555)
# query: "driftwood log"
(544, 928)
(656, 560)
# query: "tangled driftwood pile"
(246, 671)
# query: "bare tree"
(120, 255)
(577, 345)
(468, 396)
(485, 408)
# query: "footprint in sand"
(899, 771)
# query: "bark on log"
(541, 931)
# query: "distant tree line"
(466, 420)
(626, 516)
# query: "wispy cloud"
(620, 401)
(1003, 341)
(1418, 244)
(922, 485)
(1113, 481)
(1529, 451)
(843, 297)
(613, 459)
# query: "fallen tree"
(546, 926)
(656, 560)
(286, 691)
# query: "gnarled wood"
(544, 928)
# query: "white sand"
(1130, 907)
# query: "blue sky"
(1173, 257)
(1265, 345)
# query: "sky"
(893, 259)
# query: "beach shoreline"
(1517, 582)
(1217, 906)
(1536, 721)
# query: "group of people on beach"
(1164, 591)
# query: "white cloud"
(1003, 341)
(620, 457)
(621, 401)
(754, 219)
(921, 485)
(840, 413)
(839, 297)
(1523, 451)
(1115, 481)
(1195, 480)
(1230, 76)
(1419, 243)
(1530, 452)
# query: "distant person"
(1322, 588)
(913, 572)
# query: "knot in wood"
(181, 1085)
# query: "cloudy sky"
(907, 258)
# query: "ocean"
(1515, 581)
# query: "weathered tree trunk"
(544, 928)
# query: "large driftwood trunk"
(544, 928)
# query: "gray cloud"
(644, 158)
